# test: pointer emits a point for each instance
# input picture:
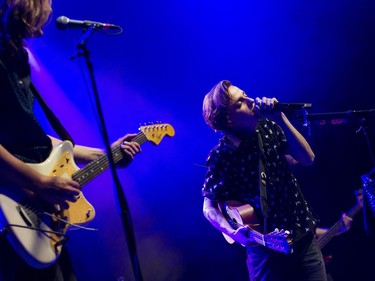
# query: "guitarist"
(23, 140)
(324, 235)
(256, 140)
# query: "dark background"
(170, 54)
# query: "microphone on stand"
(291, 105)
(63, 22)
(297, 111)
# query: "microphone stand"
(363, 129)
(368, 185)
(368, 180)
(333, 118)
(121, 199)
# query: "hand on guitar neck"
(342, 225)
(346, 225)
(244, 221)
(241, 235)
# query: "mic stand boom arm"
(334, 118)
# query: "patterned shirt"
(233, 174)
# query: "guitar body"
(61, 164)
(239, 213)
(37, 230)
(27, 230)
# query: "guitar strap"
(262, 183)
(54, 121)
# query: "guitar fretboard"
(96, 167)
(332, 232)
(258, 237)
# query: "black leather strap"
(55, 122)
(262, 183)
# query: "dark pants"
(304, 264)
(13, 268)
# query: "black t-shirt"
(20, 132)
(22, 135)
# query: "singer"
(250, 193)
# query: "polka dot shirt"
(233, 174)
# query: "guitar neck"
(258, 237)
(96, 167)
(334, 230)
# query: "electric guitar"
(37, 230)
(334, 230)
(238, 214)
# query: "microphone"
(63, 22)
(291, 105)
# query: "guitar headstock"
(279, 240)
(156, 132)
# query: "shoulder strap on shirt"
(55, 122)
(262, 183)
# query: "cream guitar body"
(37, 230)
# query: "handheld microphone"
(63, 22)
(291, 105)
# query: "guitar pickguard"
(79, 212)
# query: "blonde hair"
(22, 19)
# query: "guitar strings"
(53, 231)
(276, 231)
(98, 166)
(240, 224)
(82, 176)
(37, 229)
(103, 161)
(68, 223)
